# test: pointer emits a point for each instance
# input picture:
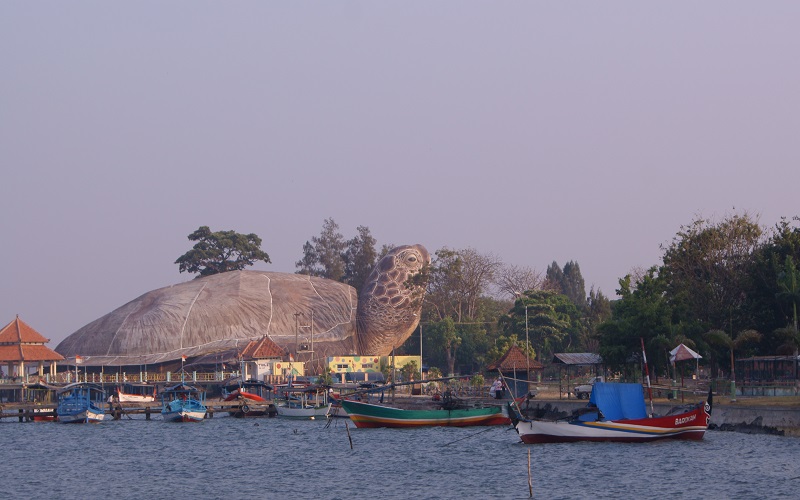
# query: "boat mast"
(647, 374)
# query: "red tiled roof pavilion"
(21, 344)
(514, 359)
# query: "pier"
(30, 412)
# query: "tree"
(573, 285)
(599, 310)
(221, 251)
(555, 278)
(552, 321)
(444, 340)
(789, 286)
(457, 280)
(409, 371)
(323, 256)
(718, 338)
(359, 258)
(642, 311)
(708, 266)
(568, 281)
(513, 280)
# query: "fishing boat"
(182, 403)
(304, 402)
(43, 415)
(133, 397)
(253, 396)
(80, 402)
(451, 413)
(616, 412)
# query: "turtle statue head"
(390, 302)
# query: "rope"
(470, 436)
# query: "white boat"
(616, 412)
(128, 397)
(182, 403)
(304, 402)
(80, 403)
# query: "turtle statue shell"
(225, 311)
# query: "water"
(278, 458)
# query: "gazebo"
(514, 365)
(575, 359)
(22, 347)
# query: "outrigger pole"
(647, 373)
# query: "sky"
(532, 131)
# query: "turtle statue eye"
(411, 258)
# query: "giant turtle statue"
(224, 312)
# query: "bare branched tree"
(512, 280)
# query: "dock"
(29, 412)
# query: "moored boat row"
(615, 412)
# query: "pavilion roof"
(514, 358)
(262, 348)
(577, 358)
(20, 342)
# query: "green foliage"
(553, 322)
(708, 268)
(443, 342)
(221, 251)
(323, 256)
(359, 258)
(642, 312)
(477, 381)
(330, 256)
(434, 372)
(409, 371)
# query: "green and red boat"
(372, 415)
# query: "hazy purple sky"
(536, 131)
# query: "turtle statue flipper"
(390, 303)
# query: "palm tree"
(721, 339)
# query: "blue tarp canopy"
(619, 401)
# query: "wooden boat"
(44, 415)
(182, 403)
(131, 397)
(304, 402)
(254, 397)
(373, 415)
(80, 403)
(617, 412)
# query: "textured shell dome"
(220, 313)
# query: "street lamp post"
(527, 347)
(420, 350)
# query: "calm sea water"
(277, 458)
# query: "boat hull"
(134, 398)
(307, 412)
(365, 415)
(184, 415)
(90, 416)
(690, 425)
(44, 415)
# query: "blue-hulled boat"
(183, 403)
(80, 403)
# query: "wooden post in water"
(348, 434)
(147, 413)
(530, 483)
